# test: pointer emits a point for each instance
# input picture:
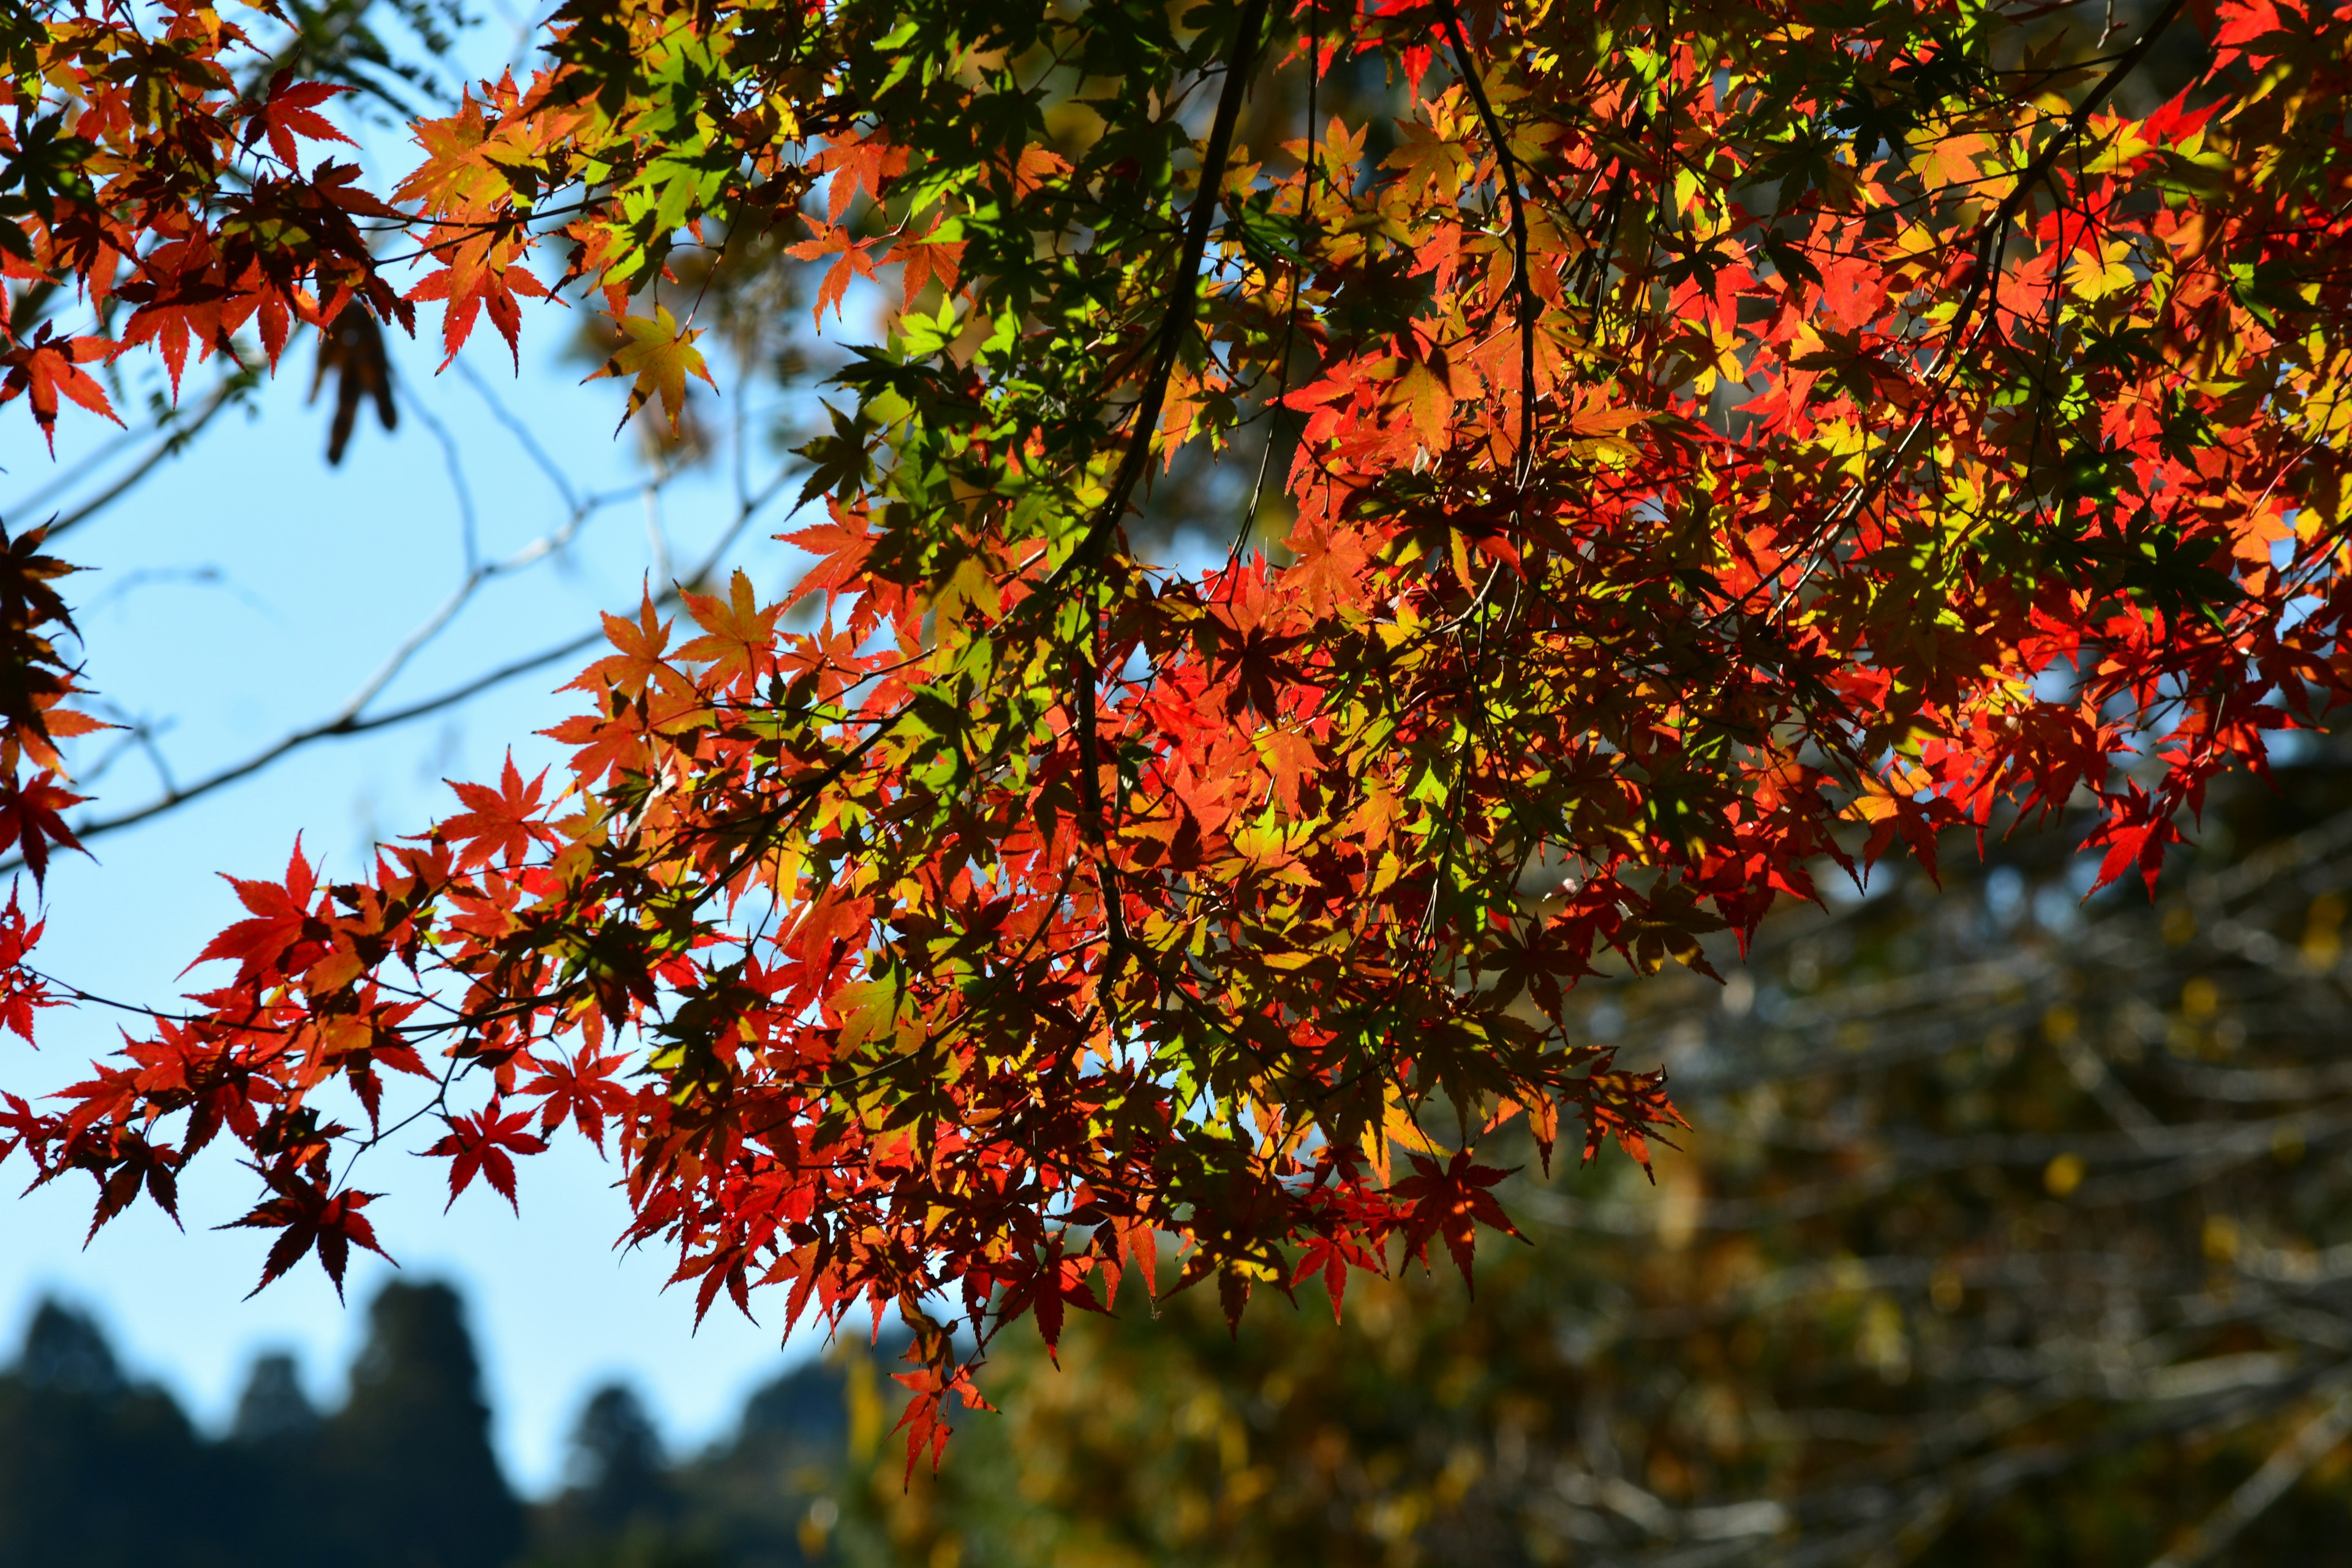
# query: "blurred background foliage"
(2010, 1227)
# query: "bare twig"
(168, 447)
(350, 719)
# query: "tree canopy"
(1717, 444)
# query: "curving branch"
(352, 718)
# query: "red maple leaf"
(925, 259)
(603, 742)
(739, 637)
(498, 821)
(854, 164)
(47, 368)
(30, 817)
(479, 1144)
(1452, 1203)
(290, 111)
(582, 1089)
(1628, 1106)
(854, 262)
(841, 547)
(639, 662)
(1332, 1256)
(281, 917)
(306, 1217)
(21, 992)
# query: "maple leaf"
(474, 284)
(660, 355)
(925, 259)
(497, 823)
(1428, 401)
(1139, 1248)
(1949, 159)
(603, 743)
(291, 110)
(840, 462)
(456, 174)
(841, 547)
(640, 663)
(22, 994)
(478, 1144)
(852, 261)
(137, 1165)
(1054, 1284)
(924, 1420)
(1890, 808)
(31, 820)
(281, 918)
(582, 1088)
(739, 640)
(1429, 159)
(47, 368)
(2135, 834)
(1451, 1202)
(1035, 169)
(1628, 1106)
(305, 1216)
(1331, 1257)
(1291, 758)
(857, 164)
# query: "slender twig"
(168, 447)
(1185, 296)
(1523, 279)
(1175, 327)
(348, 720)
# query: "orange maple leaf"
(660, 355)
(47, 368)
(739, 637)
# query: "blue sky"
(246, 590)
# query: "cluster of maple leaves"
(1725, 427)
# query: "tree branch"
(1185, 288)
(349, 720)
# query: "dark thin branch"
(1185, 289)
(169, 446)
(522, 433)
(350, 722)
(1507, 168)
(1174, 327)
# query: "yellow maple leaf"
(661, 356)
(2096, 277)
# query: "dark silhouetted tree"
(273, 1408)
(619, 1494)
(412, 1482)
(96, 1472)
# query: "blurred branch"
(168, 447)
(2264, 1486)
